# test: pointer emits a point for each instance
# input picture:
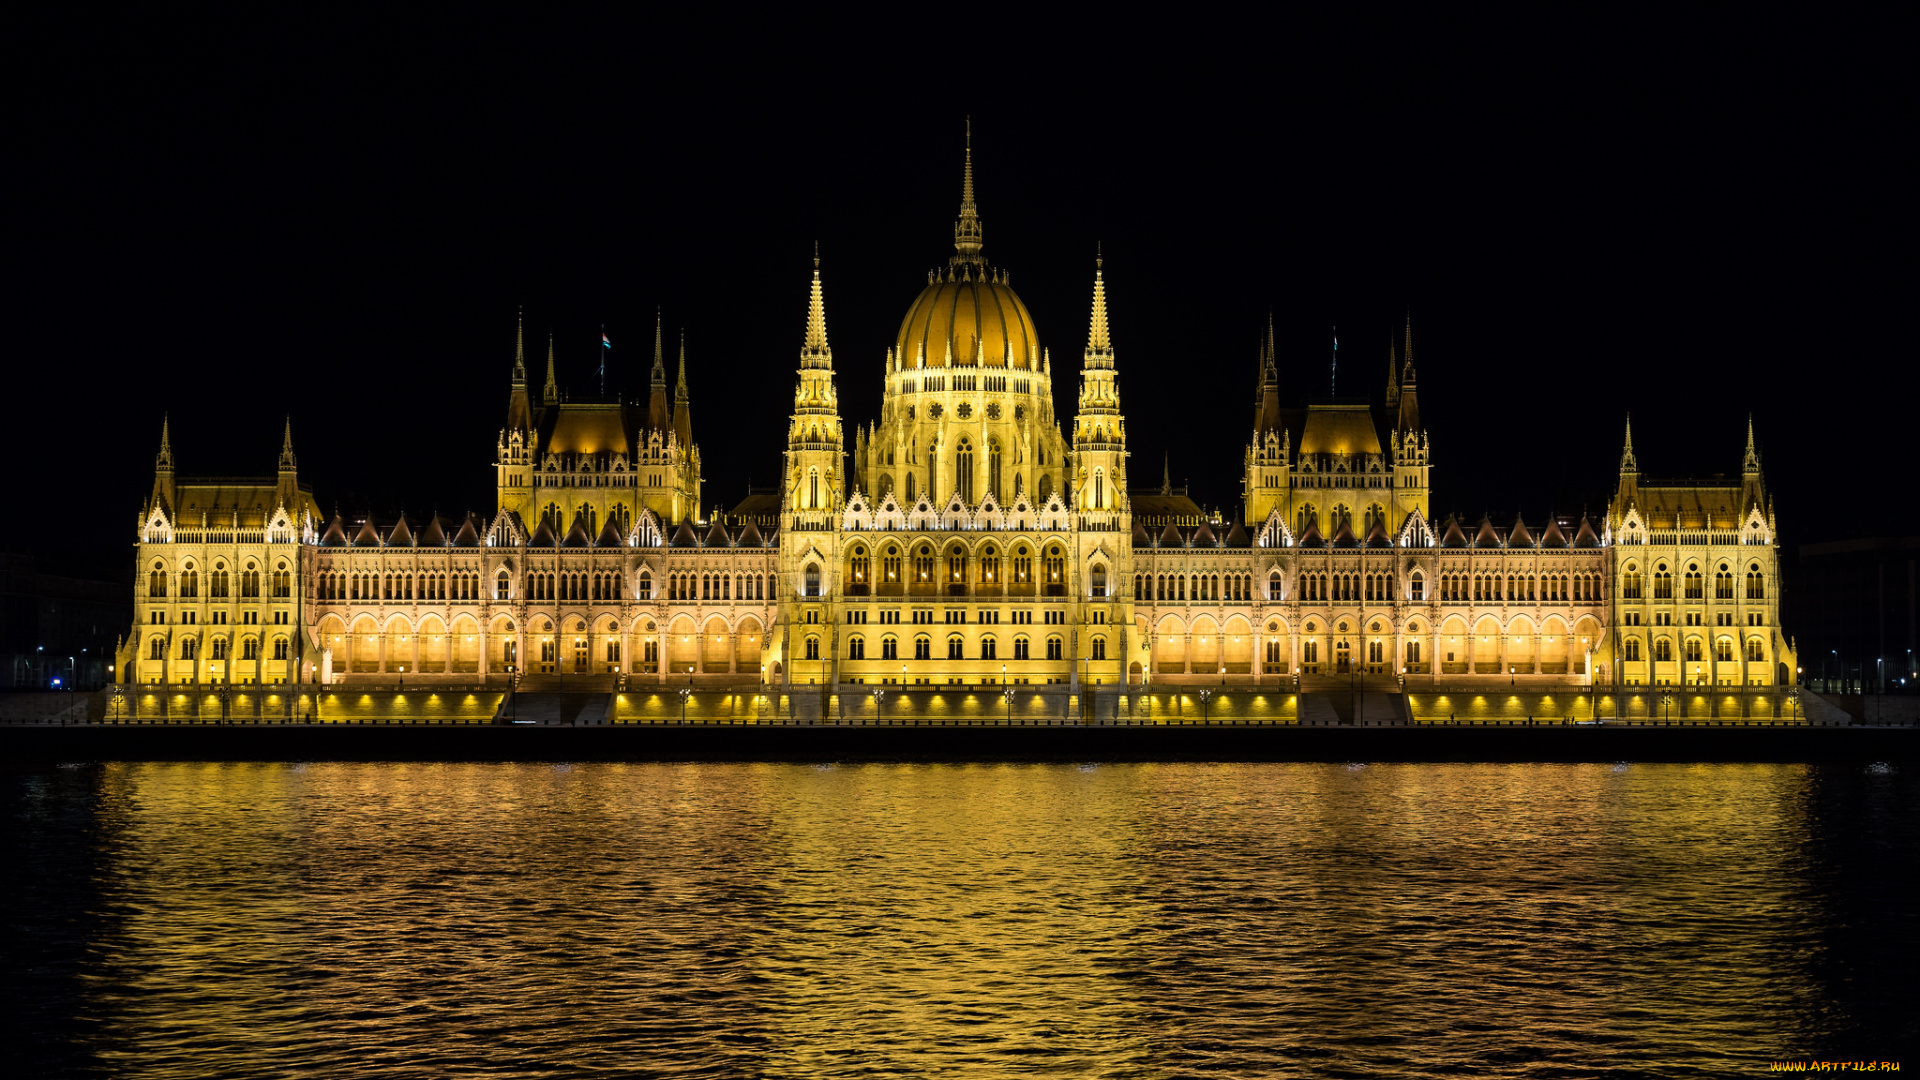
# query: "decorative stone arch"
(1488, 637)
(716, 645)
(1236, 645)
(683, 645)
(749, 644)
(1203, 646)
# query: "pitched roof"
(1203, 537)
(1140, 537)
(1453, 537)
(717, 536)
(468, 536)
(1518, 536)
(750, 536)
(1312, 537)
(1553, 537)
(1584, 536)
(1237, 536)
(683, 536)
(577, 536)
(336, 534)
(1486, 537)
(1170, 537)
(610, 536)
(543, 536)
(366, 537)
(1377, 536)
(1344, 537)
(401, 536)
(434, 536)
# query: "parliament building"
(972, 536)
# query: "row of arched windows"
(1520, 588)
(190, 649)
(220, 583)
(1694, 650)
(1199, 587)
(957, 648)
(1693, 582)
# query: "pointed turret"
(1099, 341)
(659, 407)
(814, 438)
(1628, 463)
(1406, 395)
(814, 351)
(1099, 429)
(163, 470)
(682, 414)
(1629, 474)
(287, 490)
(551, 396)
(1166, 474)
(967, 239)
(519, 407)
(1752, 485)
(1270, 385)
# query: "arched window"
(1416, 587)
(189, 583)
(812, 583)
(1723, 650)
(933, 470)
(157, 581)
(923, 648)
(813, 648)
(1663, 650)
(858, 571)
(1056, 571)
(956, 568)
(990, 565)
(1695, 585)
(889, 648)
(856, 648)
(1099, 648)
(890, 564)
(1022, 565)
(1020, 647)
(219, 649)
(501, 589)
(1055, 648)
(1273, 585)
(993, 470)
(1633, 649)
(157, 649)
(250, 649)
(813, 489)
(1756, 583)
(923, 565)
(989, 649)
(1097, 581)
(280, 648)
(1099, 488)
(1662, 583)
(1693, 650)
(1756, 651)
(189, 649)
(963, 471)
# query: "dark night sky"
(1685, 219)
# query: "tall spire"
(659, 408)
(552, 392)
(1166, 473)
(966, 232)
(1752, 461)
(1406, 370)
(286, 445)
(520, 346)
(1628, 464)
(814, 351)
(682, 414)
(1393, 378)
(165, 460)
(1099, 343)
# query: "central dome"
(978, 312)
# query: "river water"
(739, 920)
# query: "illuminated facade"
(966, 538)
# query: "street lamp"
(1205, 716)
(879, 695)
(685, 693)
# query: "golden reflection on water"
(919, 920)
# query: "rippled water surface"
(955, 920)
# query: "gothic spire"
(966, 231)
(682, 414)
(552, 392)
(1099, 343)
(1627, 462)
(659, 355)
(1406, 370)
(165, 460)
(1752, 461)
(814, 351)
(286, 445)
(520, 346)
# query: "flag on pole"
(604, 341)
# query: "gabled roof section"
(1518, 536)
(1312, 538)
(577, 535)
(433, 535)
(1553, 537)
(1203, 537)
(1344, 537)
(366, 537)
(402, 535)
(543, 536)
(610, 536)
(1486, 537)
(336, 534)
(468, 536)
(1584, 536)
(1170, 537)
(683, 537)
(1140, 537)
(1453, 537)
(717, 536)
(1237, 536)
(750, 536)
(1377, 536)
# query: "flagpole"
(604, 346)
